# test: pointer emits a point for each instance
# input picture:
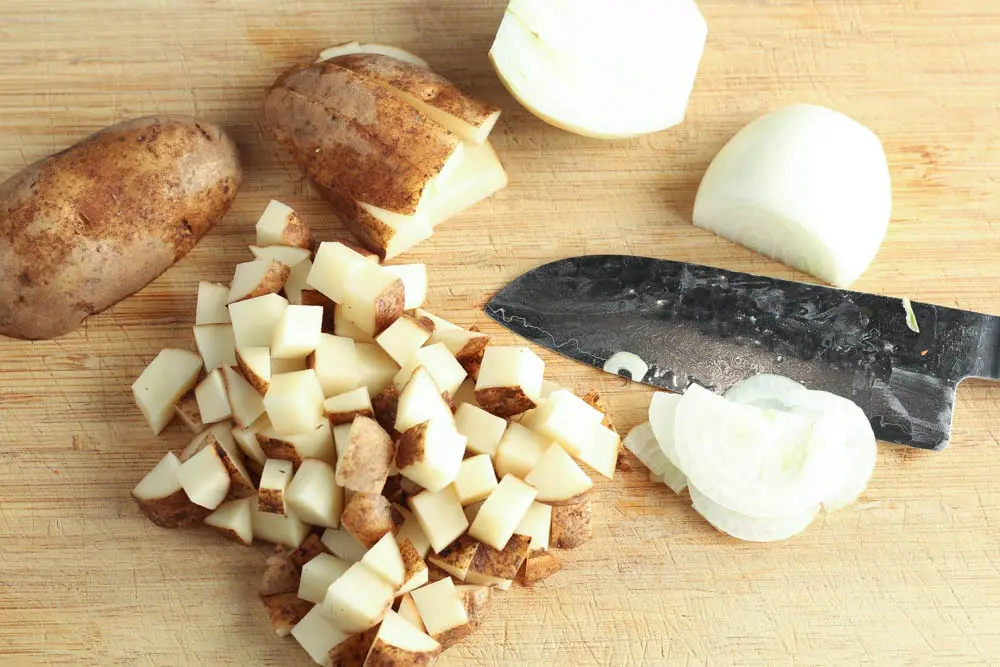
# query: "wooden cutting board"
(910, 575)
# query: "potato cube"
(347, 329)
(317, 575)
(316, 443)
(430, 454)
(385, 559)
(510, 380)
(204, 478)
(403, 338)
(279, 224)
(476, 479)
(421, 401)
(343, 545)
(437, 360)
(298, 332)
(254, 320)
(294, 402)
(456, 558)
(567, 419)
(212, 301)
(482, 430)
(246, 404)
(536, 524)
(216, 344)
(334, 268)
(519, 451)
(600, 452)
(358, 599)
(287, 529)
(557, 476)
(441, 609)
(415, 569)
(257, 278)
(318, 635)
(376, 367)
(502, 512)
(213, 400)
(273, 482)
(399, 642)
(412, 532)
(364, 461)
(286, 254)
(233, 520)
(414, 277)
(314, 495)
(337, 364)
(343, 408)
(440, 516)
(162, 384)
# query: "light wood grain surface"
(911, 575)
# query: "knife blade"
(693, 323)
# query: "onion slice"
(751, 529)
(642, 442)
(662, 415)
(765, 391)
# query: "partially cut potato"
(254, 364)
(399, 643)
(343, 408)
(316, 443)
(457, 557)
(233, 520)
(440, 516)
(442, 611)
(245, 403)
(162, 498)
(364, 464)
(257, 278)
(571, 525)
(318, 574)
(368, 517)
(274, 481)
(314, 495)
(212, 301)
(254, 320)
(437, 360)
(358, 599)
(187, 411)
(482, 429)
(294, 402)
(502, 511)
(403, 338)
(337, 364)
(297, 333)
(162, 384)
(557, 477)
(510, 380)
(430, 454)
(414, 277)
(216, 345)
(280, 225)
(519, 451)
(476, 479)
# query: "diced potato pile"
(404, 467)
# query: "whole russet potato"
(82, 229)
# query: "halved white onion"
(752, 529)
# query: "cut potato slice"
(539, 565)
(204, 478)
(254, 364)
(536, 524)
(377, 368)
(408, 612)
(287, 529)
(601, 452)
(294, 402)
(399, 642)
(502, 511)
(384, 49)
(476, 479)
(212, 301)
(571, 525)
(420, 401)
(213, 400)
(280, 225)
(343, 408)
(520, 450)
(297, 332)
(510, 380)
(318, 635)
(440, 516)
(414, 277)
(385, 559)
(188, 412)
(482, 430)
(257, 278)
(567, 419)
(364, 463)
(273, 482)
(216, 344)
(315, 444)
(317, 575)
(503, 563)
(368, 517)
(457, 557)
(415, 569)
(254, 320)
(343, 545)
(162, 499)
(162, 384)
(347, 329)
(557, 477)
(442, 611)
(403, 338)
(358, 599)
(430, 454)
(476, 176)
(411, 532)
(314, 495)
(431, 94)
(437, 360)
(337, 364)
(246, 404)
(387, 234)
(233, 520)
(288, 255)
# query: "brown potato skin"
(174, 511)
(504, 402)
(571, 525)
(369, 516)
(82, 229)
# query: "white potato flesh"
(408, 637)
(805, 185)
(337, 364)
(274, 481)
(409, 613)
(298, 280)
(385, 560)
(459, 339)
(565, 418)
(440, 324)
(437, 458)
(294, 402)
(279, 366)
(272, 223)
(254, 319)
(502, 511)
(557, 476)
(752, 529)
(212, 301)
(249, 276)
(482, 430)
(204, 478)
(477, 175)
(601, 451)
(286, 529)
(421, 401)
(414, 277)
(407, 230)
(314, 495)
(403, 338)
(358, 599)
(213, 401)
(342, 407)
(161, 481)
(363, 294)
(341, 439)
(466, 395)
(316, 443)
(333, 269)
(216, 344)
(544, 54)
(343, 545)
(438, 360)
(440, 606)
(235, 517)
(162, 384)
(317, 575)
(348, 329)
(476, 479)
(512, 367)
(246, 404)
(318, 635)
(411, 530)
(519, 451)
(536, 524)
(377, 368)
(255, 362)
(440, 516)
(298, 332)
(284, 254)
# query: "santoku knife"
(692, 323)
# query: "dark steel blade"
(694, 323)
